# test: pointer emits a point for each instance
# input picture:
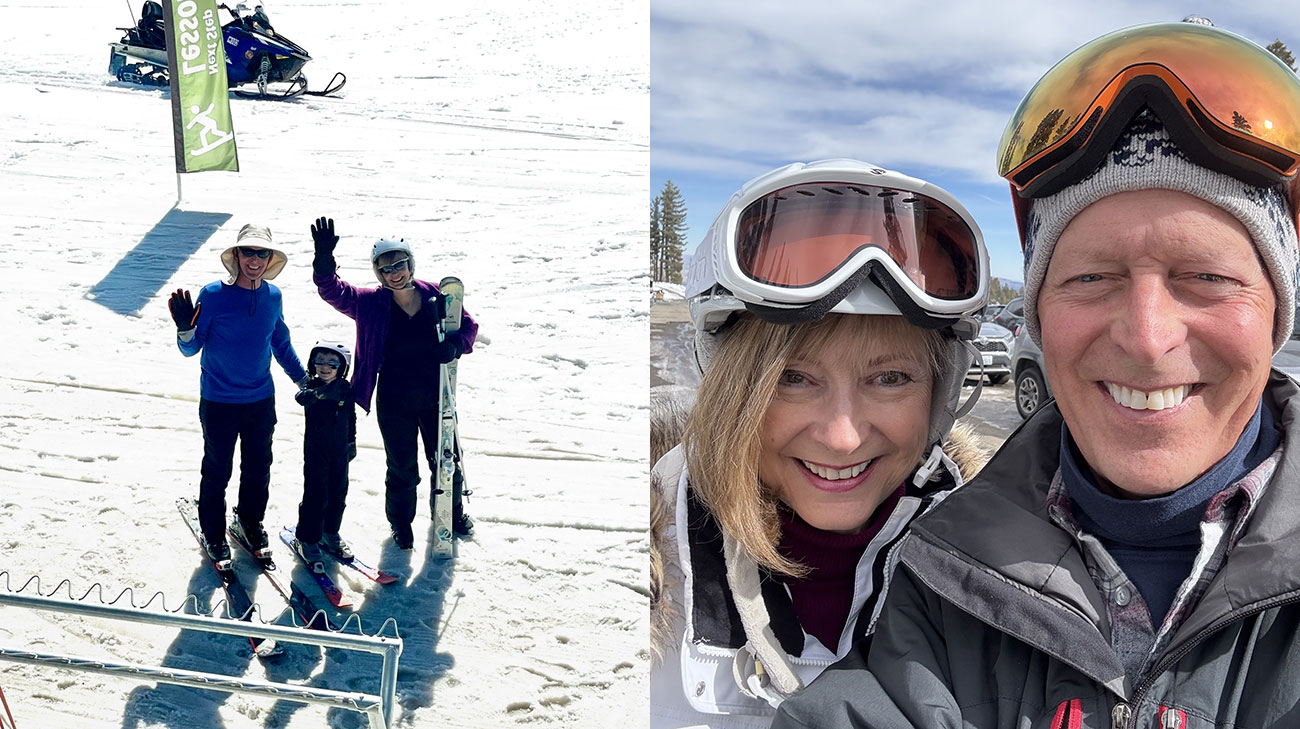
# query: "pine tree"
(1279, 49)
(672, 229)
(656, 238)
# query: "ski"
(373, 573)
(356, 563)
(337, 597)
(238, 603)
(444, 546)
(303, 606)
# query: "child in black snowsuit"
(329, 444)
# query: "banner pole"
(178, 189)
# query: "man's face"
(1157, 328)
(252, 262)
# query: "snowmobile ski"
(337, 597)
(303, 606)
(444, 546)
(238, 602)
(368, 571)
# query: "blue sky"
(741, 87)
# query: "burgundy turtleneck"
(822, 599)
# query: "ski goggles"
(808, 243)
(247, 252)
(1229, 104)
(395, 267)
(330, 363)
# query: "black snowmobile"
(255, 54)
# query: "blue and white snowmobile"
(255, 54)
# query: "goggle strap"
(815, 310)
(906, 306)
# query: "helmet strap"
(979, 384)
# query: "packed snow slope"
(508, 141)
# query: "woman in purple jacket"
(397, 347)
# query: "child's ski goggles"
(330, 363)
(797, 241)
(1229, 104)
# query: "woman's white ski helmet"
(391, 245)
(338, 348)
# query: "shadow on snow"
(144, 270)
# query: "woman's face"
(395, 268)
(844, 430)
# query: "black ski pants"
(325, 490)
(252, 424)
(402, 428)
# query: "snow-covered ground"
(509, 141)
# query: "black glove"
(352, 450)
(449, 349)
(322, 234)
(184, 312)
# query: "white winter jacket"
(734, 649)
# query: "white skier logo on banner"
(209, 129)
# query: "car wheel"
(997, 379)
(1031, 391)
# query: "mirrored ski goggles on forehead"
(330, 363)
(254, 252)
(394, 267)
(816, 235)
(1233, 103)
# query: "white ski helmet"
(392, 245)
(339, 348)
(844, 236)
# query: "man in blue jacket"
(238, 325)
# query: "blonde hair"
(722, 437)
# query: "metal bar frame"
(378, 708)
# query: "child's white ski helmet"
(338, 348)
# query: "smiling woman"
(817, 434)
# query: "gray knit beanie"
(1146, 158)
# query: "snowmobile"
(255, 54)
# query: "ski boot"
(254, 536)
(219, 552)
(403, 537)
(309, 553)
(335, 545)
(463, 526)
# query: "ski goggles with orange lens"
(1229, 104)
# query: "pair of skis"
(444, 546)
(333, 593)
(239, 604)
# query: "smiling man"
(1128, 558)
(238, 325)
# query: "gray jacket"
(992, 619)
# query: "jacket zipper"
(1122, 714)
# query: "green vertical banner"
(196, 69)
